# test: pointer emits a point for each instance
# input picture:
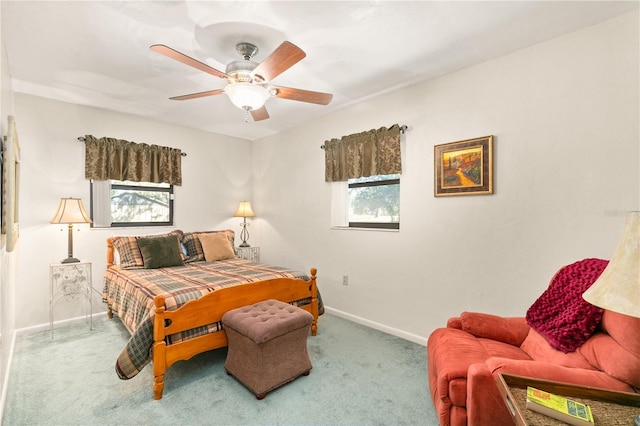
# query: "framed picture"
(464, 167)
(10, 185)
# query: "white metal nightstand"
(70, 281)
(249, 253)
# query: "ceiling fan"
(247, 81)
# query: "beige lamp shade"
(70, 210)
(244, 210)
(618, 287)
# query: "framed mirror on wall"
(10, 185)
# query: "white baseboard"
(420, 340)
(44, 327)
(5, 384)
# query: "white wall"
(564, 115)
(7, 260)
(216, 176)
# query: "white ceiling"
(97, 53)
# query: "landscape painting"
(464, 167)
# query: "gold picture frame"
(10, 185)
(464, 167)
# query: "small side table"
(70, 281)
(249, 253)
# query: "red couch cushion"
(539, 349)
(623, 329)
(508, 330)
(504, 350)
(618, 352)
(560, 314)
(608, 356)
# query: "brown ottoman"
(267, 344)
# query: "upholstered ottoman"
(267, 344)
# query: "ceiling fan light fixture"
(247, 96)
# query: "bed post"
(159, 349)
(109, 253)
(110, 258)
(314, 302)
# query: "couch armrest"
(549, 371)
(511, 330)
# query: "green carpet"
(360, 376)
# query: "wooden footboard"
(209, 309)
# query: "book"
(559, 407)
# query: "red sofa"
(465, 358)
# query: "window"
(124, 203)
(374, 202)
(368, 202)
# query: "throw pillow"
(216, 246)
(194, 247)
(160, 252)
(128, 252)
(560, 314)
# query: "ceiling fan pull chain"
(246, 114)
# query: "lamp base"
(70, 260)
(244, 244)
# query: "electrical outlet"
(345, 280)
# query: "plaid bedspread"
(130, 293)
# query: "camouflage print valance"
(108, 158)
(375, 152)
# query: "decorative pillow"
(128, 252)
(216, 246)
(160, 252)
(560, 314)
(194, 248)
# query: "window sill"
(152, 227)
(348, 228)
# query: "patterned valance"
(375, 152)
(108, 158)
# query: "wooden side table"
(69, 281)
(249, 253)
(608, 407)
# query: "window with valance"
(131, 183)
(365, 170)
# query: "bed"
(173, 308)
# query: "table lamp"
(618, 287)
(244, 211)
(70, 211)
